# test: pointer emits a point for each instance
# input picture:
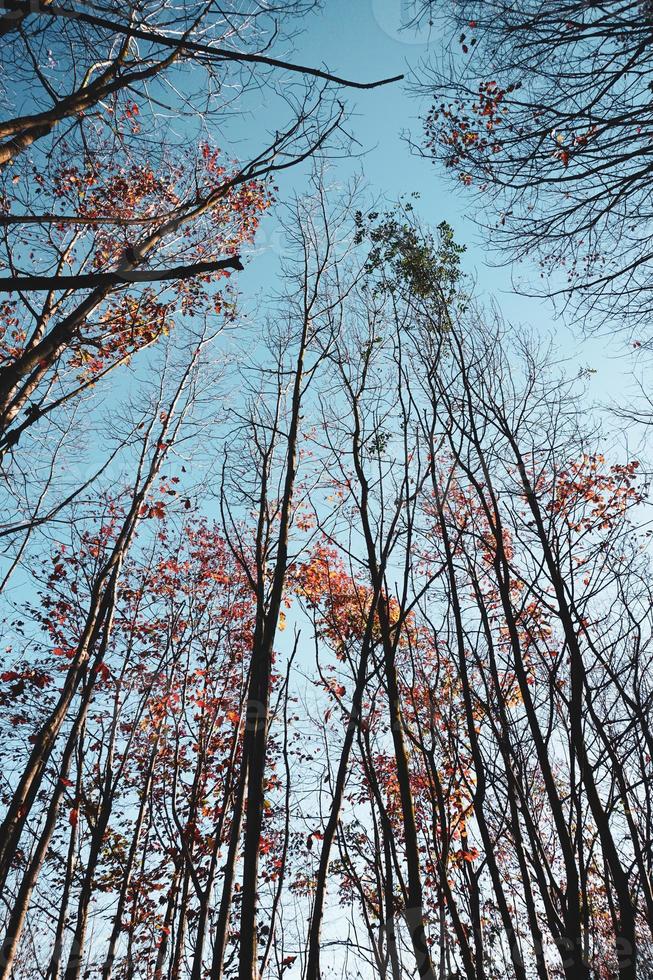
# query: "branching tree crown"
(545, 107)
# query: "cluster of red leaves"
(12, 335)
(339, 602)
(610, 491)
(128, 323)
(122, 202)
(464, 129)
(342, 603)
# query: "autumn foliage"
(327, 627)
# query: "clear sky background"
(364, 40)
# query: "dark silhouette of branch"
(25, 7)
(92, 280)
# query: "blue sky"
(363, 39)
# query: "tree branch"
(220, 54)
(92, 280)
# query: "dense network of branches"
(327, 643)
(545, 107)
(384, 708)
